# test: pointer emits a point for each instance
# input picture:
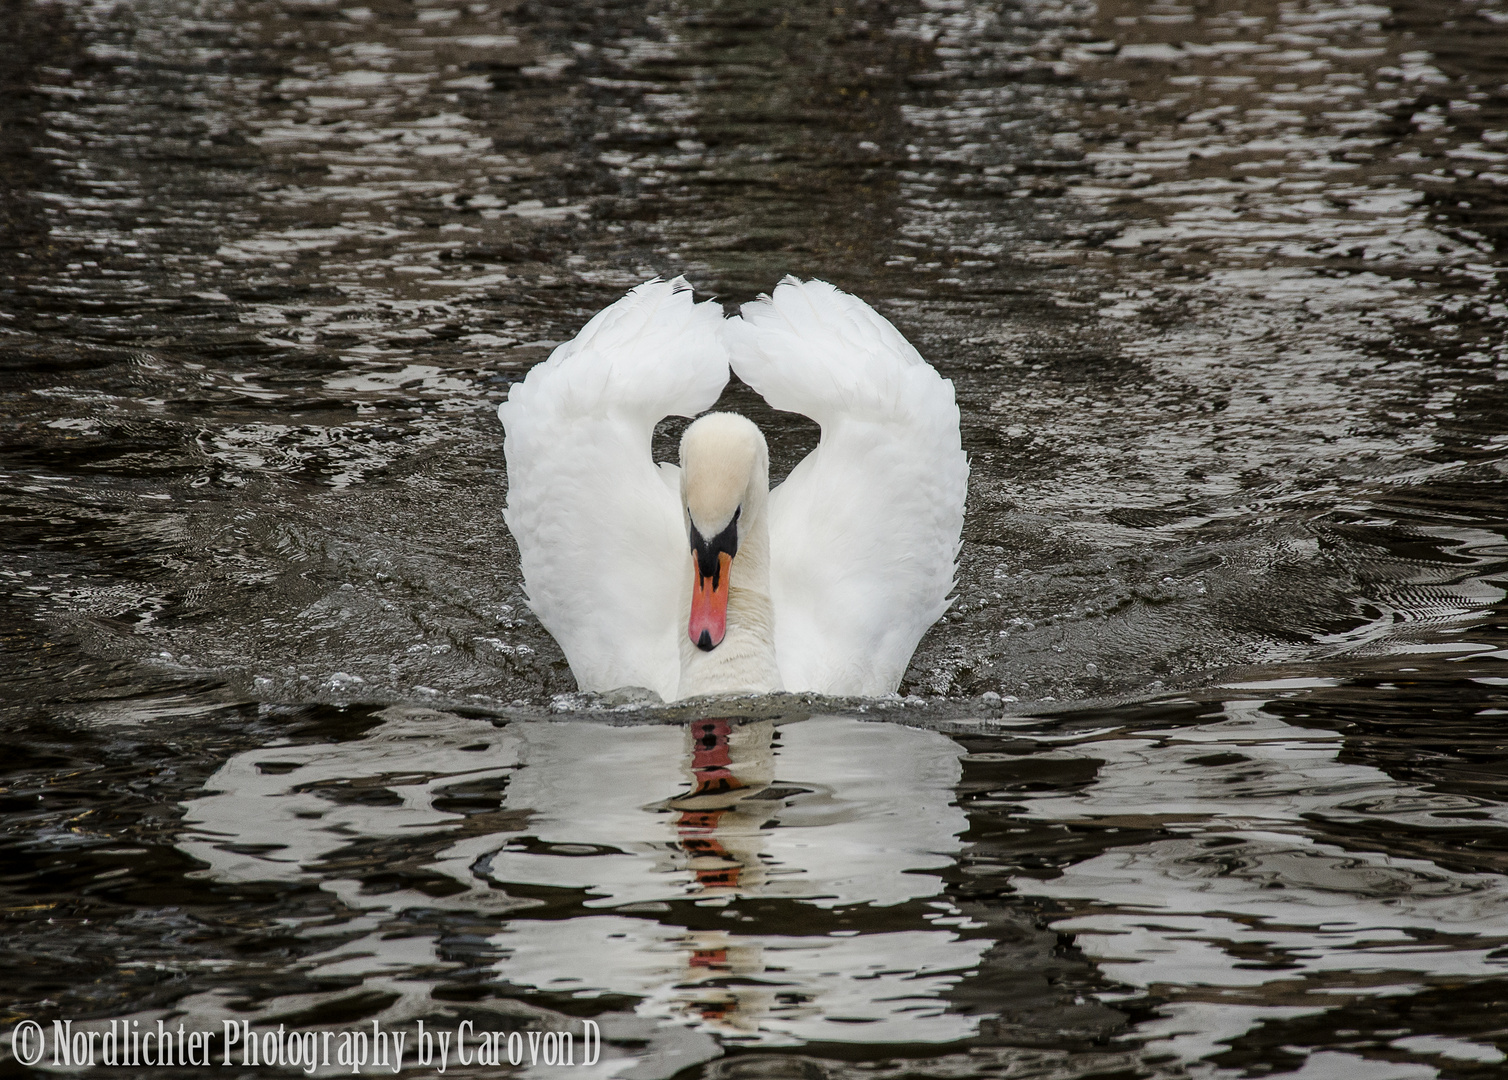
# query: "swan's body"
(831, 579)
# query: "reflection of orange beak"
(709, 604)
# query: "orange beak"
(709, 604)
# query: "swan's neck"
(745, 660)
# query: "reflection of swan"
(832, 812)
(774, 989)
(857, 809)
(699, 579)
(828, 816)
(860, 808)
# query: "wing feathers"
(598, 525)
(653, 352)
(813, 349)
(865, 531)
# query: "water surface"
(1201, 776)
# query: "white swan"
(699, 579)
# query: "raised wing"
(599, 530)
(865, 531)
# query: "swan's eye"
(707, 551)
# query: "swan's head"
(725, 480)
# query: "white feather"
(862, 536)
(602, 542)
(864, 532)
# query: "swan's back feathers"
(602, 544)
(865, 531)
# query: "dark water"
(1204, 774)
